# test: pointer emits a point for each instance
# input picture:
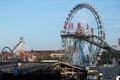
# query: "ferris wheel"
(83, 31)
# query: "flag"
(69, 26)
(104, 35)
(72, 27)
(119, 41)
(92, 31)
(65, 25)
(79, 26)
(87, 27)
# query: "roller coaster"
(12, 53)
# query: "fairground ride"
(18, 49)
(83, 36)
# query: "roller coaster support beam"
(87, 38)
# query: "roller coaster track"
(6, 47)
(89, 39)
(12, 50)
(18, 45)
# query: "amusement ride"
(17, 51)
(83, 36)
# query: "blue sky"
(40, 21)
